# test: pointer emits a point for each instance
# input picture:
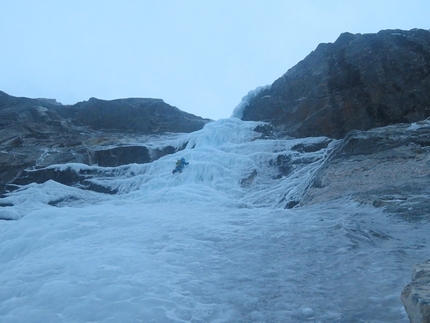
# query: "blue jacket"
(180, 165)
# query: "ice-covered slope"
(212, 244)
(228, 165)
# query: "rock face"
(359, 82)
(149, 116)
(36, 133)
(385, 167)
(416, 295)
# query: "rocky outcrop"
(118, 156)
(359, 82)
(416, 295)
(386, 167)
(149, 116)
(35, 133)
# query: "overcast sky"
(201, 56)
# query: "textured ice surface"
(203, 246)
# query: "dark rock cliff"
(149, 116)
(359, 82)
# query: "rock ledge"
(416, 295)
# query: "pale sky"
(201, 56)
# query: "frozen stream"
(203, 246)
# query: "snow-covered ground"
(212, 244)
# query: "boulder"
(416, 295)
(359, 82)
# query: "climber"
(180, 165)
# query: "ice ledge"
(416, 295)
